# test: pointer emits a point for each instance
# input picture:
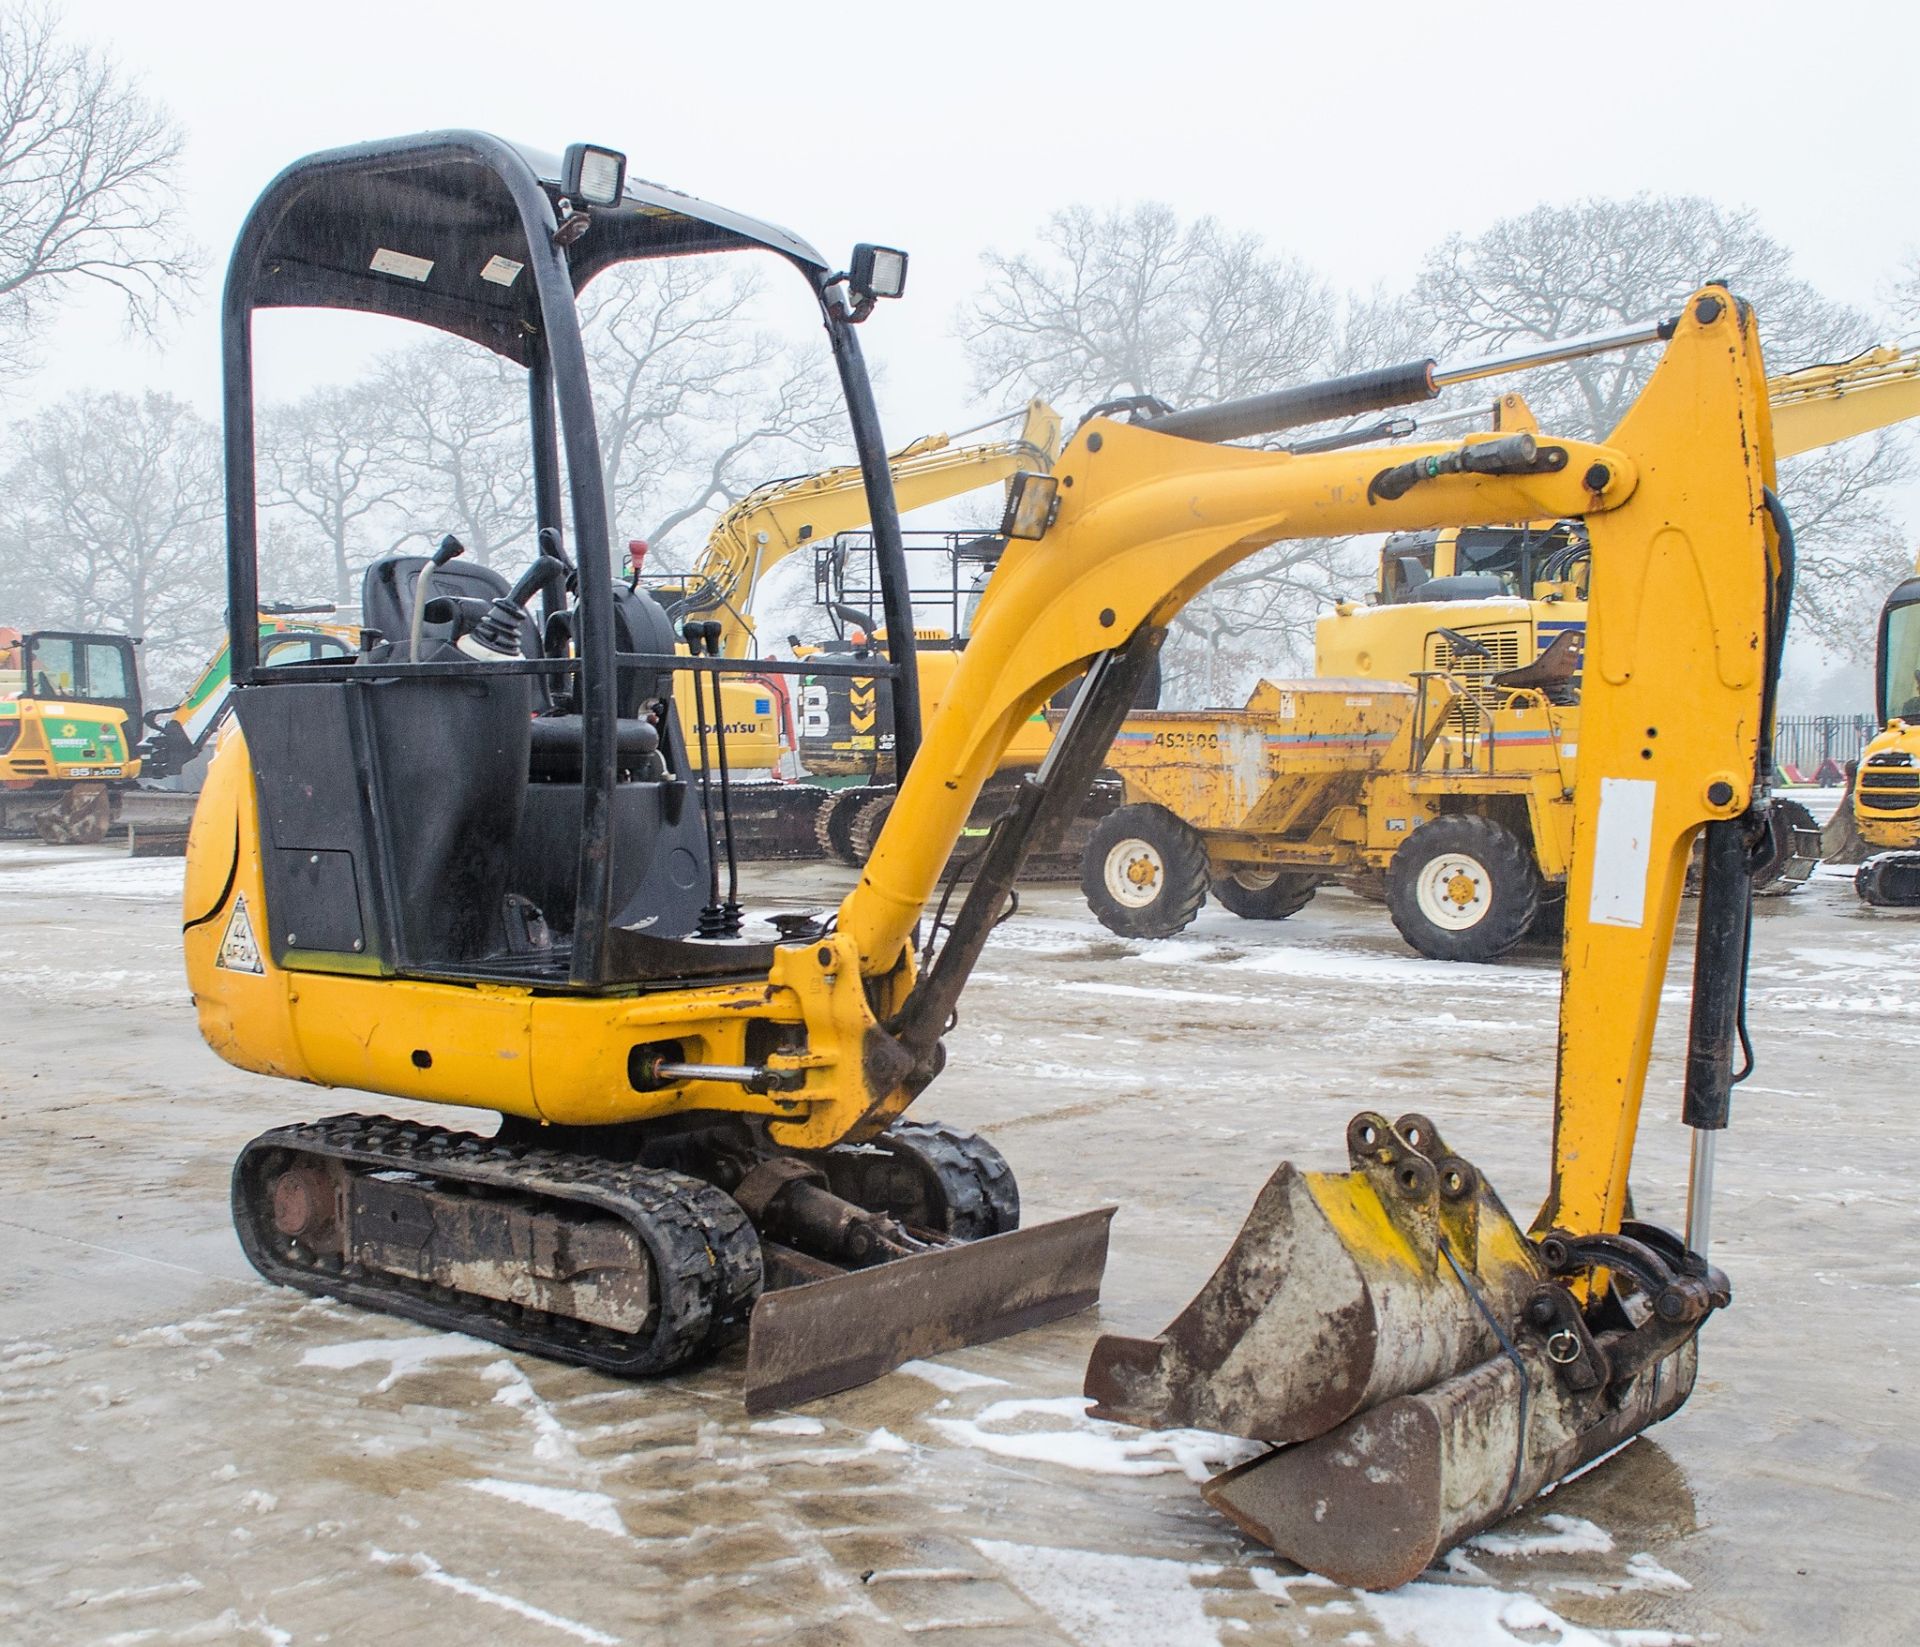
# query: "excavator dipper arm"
(1421, 1364)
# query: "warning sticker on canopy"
(238, 951)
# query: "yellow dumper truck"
(1448, 794)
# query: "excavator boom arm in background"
(1824, 405)
(772, 521)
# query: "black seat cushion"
(557, 744)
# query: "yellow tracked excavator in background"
(456, 875)
(1885, 798)
(763, 719)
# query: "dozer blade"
(1422, 1369)
(810, 1340)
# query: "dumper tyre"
(1266, 894)
(1463, 888)
(1145, 872)
(1549, 924)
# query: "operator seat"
(386, 603)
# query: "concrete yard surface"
(190, 1455)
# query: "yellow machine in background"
(1886, 787)
(360, 912)
(1469, 841)
(69, 725)
(774, 520)
(766, 730)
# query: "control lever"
(450, 548)
(497, 634)
(730, 910)
(713, 918)
(719, 919)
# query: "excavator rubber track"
(849, 825)
(629, 1270)
(1889, 880)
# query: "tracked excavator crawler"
(488, 859)
(469, 867)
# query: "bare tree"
(87, 187)
(1133, 303)
(116, 500)
(1601, 265)
(1906, 293)
(330, 467)
(696, 403)
(462, 462)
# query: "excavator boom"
(1824, 405)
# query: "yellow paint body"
(1145, 521)
(1885, 810)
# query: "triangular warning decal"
(238, 951)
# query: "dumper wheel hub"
(1135, 873)
(1454, 891)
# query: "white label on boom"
(1622, 851)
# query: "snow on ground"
(194, 1455)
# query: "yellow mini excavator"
(471, 873)
(763, 721)
(1885, 796)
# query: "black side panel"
(659, 867)
(313, 786)
(450, 764)
(404, 796)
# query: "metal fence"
(1807, 742)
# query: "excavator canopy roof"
(431, 228)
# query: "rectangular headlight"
(878, 271)
(593, 176)
(1032, 502)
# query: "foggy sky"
(1355, 136)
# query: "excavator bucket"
(838, 1329)
(1415, 1359)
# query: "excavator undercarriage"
(636, 1251)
